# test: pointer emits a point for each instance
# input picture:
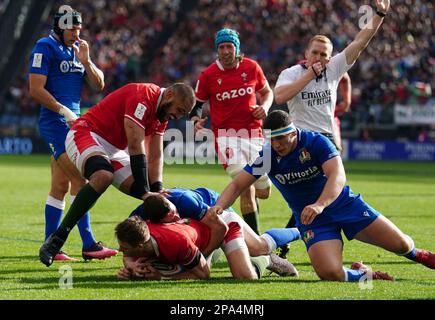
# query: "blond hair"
(320, 38)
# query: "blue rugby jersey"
(299, 176)
(190, 203)
(64, 74)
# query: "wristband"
(67, 114)
(381, 14)
(138, 165)
(156, 186)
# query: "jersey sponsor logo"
(304, 155)
(308, 235)
(316, 98)
(70, 66)
(140, 111)
(298, 176)
(37, 60)
(235, 93)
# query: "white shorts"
(81, 143)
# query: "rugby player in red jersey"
(230, 85)
(115, 142)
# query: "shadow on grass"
(111, 282)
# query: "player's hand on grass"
(310, 212)
(259, 112)
(124, 274)
(144, 269)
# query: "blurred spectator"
(398, 67)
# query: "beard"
(162, 112)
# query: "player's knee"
(99, 170)
(262, 187)
(263, 193)
(59, 189)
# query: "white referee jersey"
(313, 107)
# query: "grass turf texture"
(404, 192)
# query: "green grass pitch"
(404, 192)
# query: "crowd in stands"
(397, 67)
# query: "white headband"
(281, 131)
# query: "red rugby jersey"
(232, 94)
(180, 241)
(135, 101)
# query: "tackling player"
(195, 204)
(231, 84)
(307, 170)
(58, 65)
(115, 142)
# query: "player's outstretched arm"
(334, 171)
(240, 183)
(363, 38)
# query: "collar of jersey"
(220, 66)
(155, 246)
(160, 97)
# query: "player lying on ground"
(195, 203)
(181, 242)
(307, 169)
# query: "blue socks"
(411, 254)
(53, 214)
(283, 236)
(352, 275)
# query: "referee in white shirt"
(310, 89)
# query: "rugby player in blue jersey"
(58, 66)
(308, 171)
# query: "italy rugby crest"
(304, 155)
(308, 235)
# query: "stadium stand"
(166, 41)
